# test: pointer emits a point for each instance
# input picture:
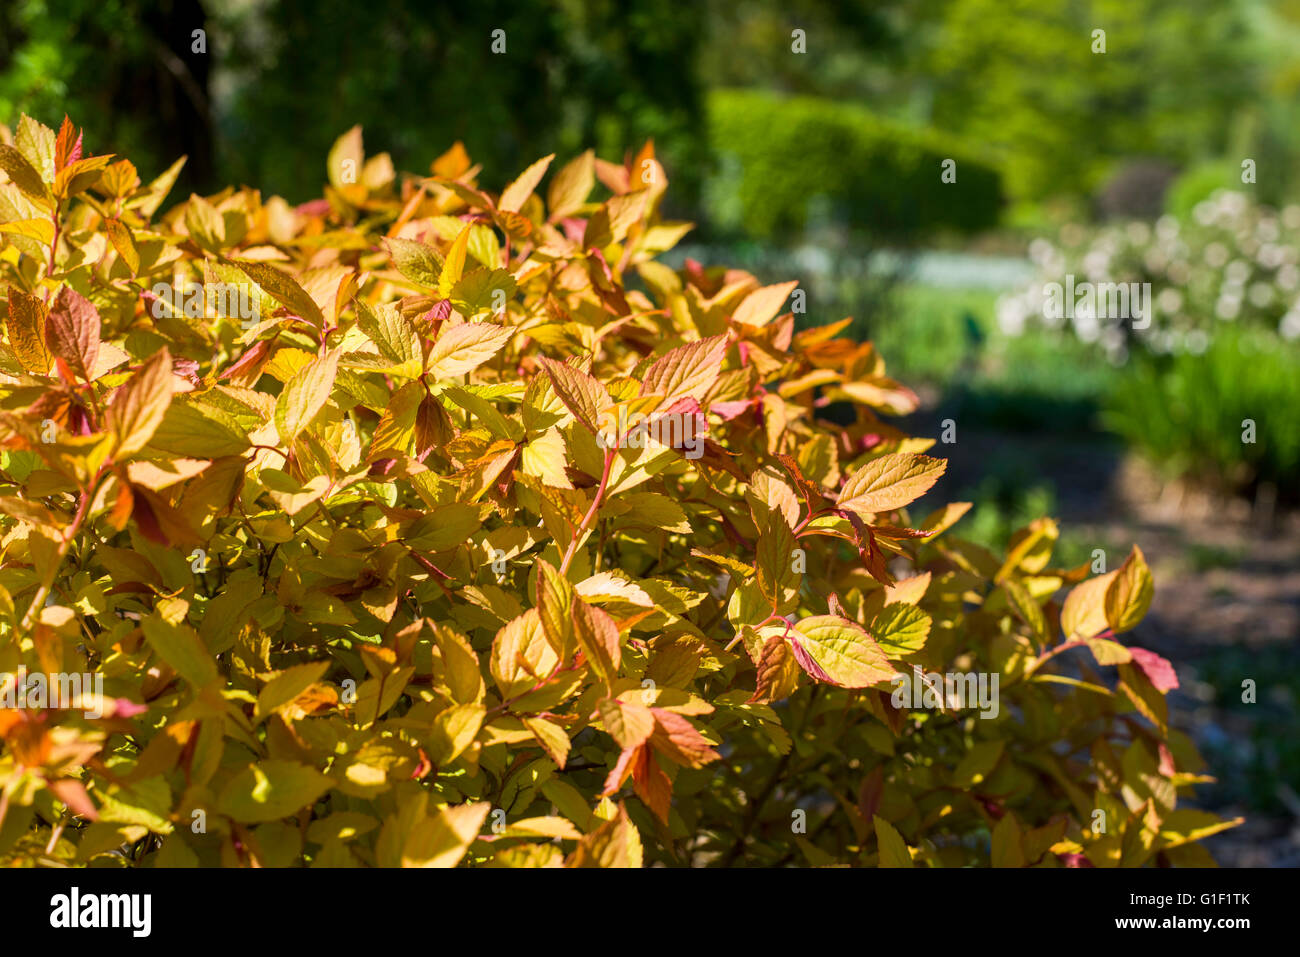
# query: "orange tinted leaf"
(26, 329)
(72, 332)
(688, 371)
(890, 482)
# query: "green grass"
(1189, 414)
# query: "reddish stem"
(591, 512)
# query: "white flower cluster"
(1232, 261)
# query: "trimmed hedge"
(778, 153)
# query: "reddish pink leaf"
(1158, 670)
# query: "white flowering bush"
(1233, 261)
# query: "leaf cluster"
(487, 538)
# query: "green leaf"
(840, 652)
(176, 644)
(197, 430)
(270, 790)
(901, 629)
(892, 847)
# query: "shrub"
(779, 154)
(406, 568)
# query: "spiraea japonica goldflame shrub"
(425, 525)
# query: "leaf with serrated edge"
(840, 652)
(890, 482)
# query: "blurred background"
(807, 140)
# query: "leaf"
(204, 223)
(555, 600)
(147, 203)
(1144, 695)
(892, 847)
(977, 763)
(270, 790)
(1185, 825)
(483, 290)
(460, 665)
(284, 289)
(460, 349)
(138, 407)
(41, 230)
(629, 723)
(66, 149)
(680, 741)
(1007, 844)
(36, 142)
(1028, 609)
(1128, 596)
(72, 332)
(514, 195)
(287, 685)
(597, 636)
(777, 671)
(521, 655)
(397, 340)
(454, 730)
(26, 330)
(195, 429)
(454, 265)
(1158, 670)
(120, 236)
(415, 260)
(762, 305)
(901, 629)
(545, 457)
(610, 223)
(305, 395)
(571, 186)
(614, 843)
(1109, 652)
(552, 737)
(688, 371)
(1084, 613)
(176, 644)
(774, 561)
(24, 175)
(890, 482)
(543, 827)
(443, 839)
(840, 652)
(343, 165)
(582, 395)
